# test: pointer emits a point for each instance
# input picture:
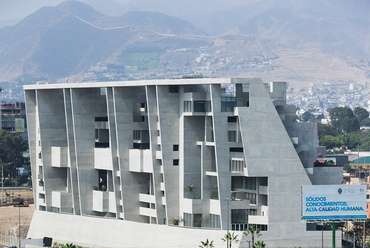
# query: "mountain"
(301, 42)
(56, 42)
(310, 30)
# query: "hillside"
(57, 42)
(300, 42)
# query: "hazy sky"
(18, 9)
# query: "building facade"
(166, 163)
(13, 118)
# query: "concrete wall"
(146, 185)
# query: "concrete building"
(13, 118)
(170, 163)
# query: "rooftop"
(181, 81)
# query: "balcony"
(162, 186)
(192, 205)
(240, 204)
(258, 220)
(147, 212)
(100, 201)
(140, 160)
(61, 199)
(103, 159)
(112, 202)
(59, 157)
(146, 198)
(40, 189)
(42, 202)
(214, 207)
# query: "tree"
(347, 168)
(326, 129)
(253, 232)
(71, 245)
(330, 141)
(230, 237)
(365, 122)
(206, 244)
(259, 244)
(307, 116)
(11, 148)
(360, 114)
(343, 119)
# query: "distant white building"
(170, 163)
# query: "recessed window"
(231, 119)
(174, 88)
(236, 149)
(175, 147)
(175, 162)
(187, 106)
(232, 136)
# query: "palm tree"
(206, 244)
(71, 245)
(252, 231)
(230, 238)
(259, 244)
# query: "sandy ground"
(9, 219)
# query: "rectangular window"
(197, 220)
(174, 89)
(236, 149)
(250, 183)
(251, 197)
(187, 106)
(202, 106)
(214, 221)
(187, 219)
(236, 183)
(175, 147)
(228, 104)
(236, 165)
(232, 119)
(139, 112)
(175, 162)
(137, 135)
(232, 136)
(101, 119)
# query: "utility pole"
(322, 238)
(333, 234)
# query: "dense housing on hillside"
(208, 155)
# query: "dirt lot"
(9, 219)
